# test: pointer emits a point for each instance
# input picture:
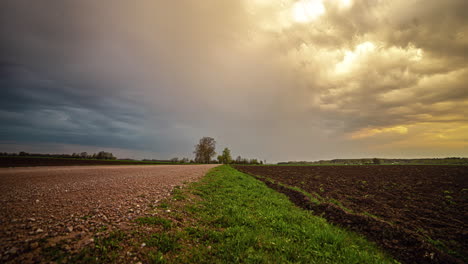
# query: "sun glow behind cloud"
(305, 11)
(351, 57)
(345, 3)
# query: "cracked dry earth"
(41, 206)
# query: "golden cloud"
(366, 132)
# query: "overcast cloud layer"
(277, 80)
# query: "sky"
(275, 80)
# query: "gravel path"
(41, 206)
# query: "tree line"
(82, 155)
(205, 151)
(387, 161)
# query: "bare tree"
(205, 150)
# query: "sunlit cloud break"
(363, 133)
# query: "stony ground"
(42, 206)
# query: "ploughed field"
(45, 206)
(427, 203)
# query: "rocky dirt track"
(41, 206)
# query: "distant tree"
(227, 155)
(84, 155)
(184, 160)
(376, 161)
(175, 160)
(105, 155)
(225, 158)
(254, 162)
(205, 150)
(238, 160)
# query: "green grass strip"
(241, 220)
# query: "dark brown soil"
(34, 162)
(410, 210)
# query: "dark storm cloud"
(113, 74)
(48, 94)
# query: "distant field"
(413, 203)
(48, 161)
(376, 161)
